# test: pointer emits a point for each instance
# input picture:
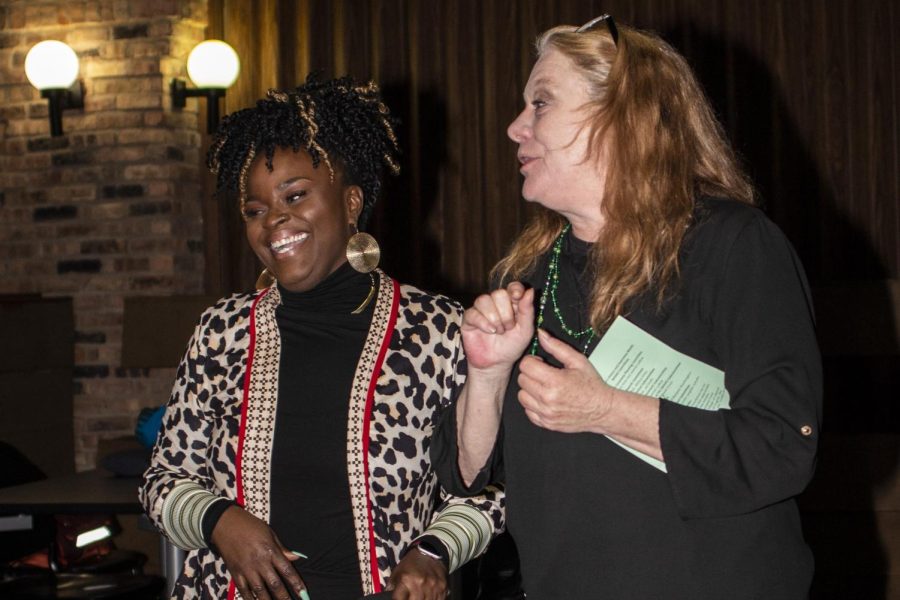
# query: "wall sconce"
(213, 66)
(52, 67)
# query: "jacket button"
(806, 430)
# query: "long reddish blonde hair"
(663, 147)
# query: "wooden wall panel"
(807, 91)
(808, 96)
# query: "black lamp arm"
(60, 99)
(180, 94)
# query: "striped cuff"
(464, 530)
(182, 514)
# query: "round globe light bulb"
(51, 64)
(213, 64)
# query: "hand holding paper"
(630, 359)
(571, 399)
(575, 399)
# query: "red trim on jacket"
(243, 427)
(370, 398)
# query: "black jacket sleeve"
(758, 317)
(445, 451)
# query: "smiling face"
(297, 219)
(553, 137)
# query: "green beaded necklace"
(550, 287)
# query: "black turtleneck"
(321, 342)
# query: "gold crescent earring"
(265, 279)
(363, 252)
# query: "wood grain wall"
(807, 90)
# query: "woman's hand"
(496, 330)
(258, 563)
(571, 399)
(419, 577)
(576, 399)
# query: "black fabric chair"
(498, 571)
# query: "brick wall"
(111, 208)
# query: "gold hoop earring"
(265, 279)
(363, 252)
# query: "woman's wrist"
(495, 375)
(211, 517)
(431, 546)
(603, 416)
(632, 419)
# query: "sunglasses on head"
(605, 20)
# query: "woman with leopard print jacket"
(294, 454)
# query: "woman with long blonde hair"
(647, 223)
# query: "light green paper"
(630, 359)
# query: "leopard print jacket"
(219, 423)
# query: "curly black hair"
(338, 122)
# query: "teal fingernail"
(304, 595)
(300, 554)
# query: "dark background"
(807, 90)
(808, 93)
